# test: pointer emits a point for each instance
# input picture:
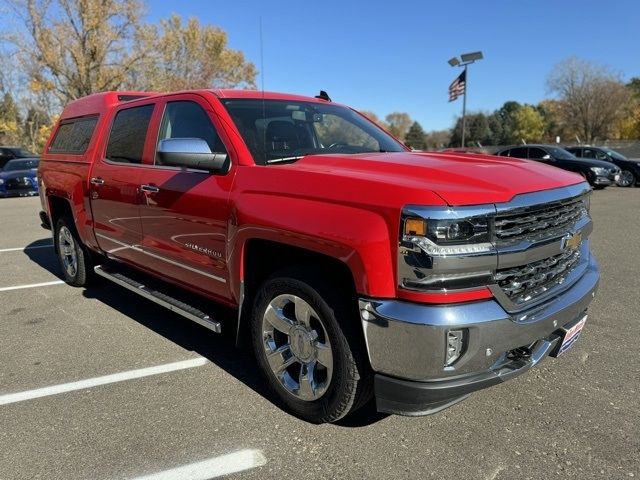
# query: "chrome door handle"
(97, 181)
(149, 188)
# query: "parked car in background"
(629, 169)
(18, 178)
(9, 153)
(598, 173)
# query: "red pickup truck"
(355, 268)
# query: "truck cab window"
(185, 119)
(128, 134)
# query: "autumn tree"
(10, 133)
(415, 137)
(528, 124)
(554, 123)
(506, 116)
(593, 98)
(374, 118)
(629, 126)
(437, 139)
(36, 128)
(189, 55)
(72, 48)
(399, 124)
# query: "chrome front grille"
(526, 282)
(539, 223)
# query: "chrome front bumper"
(406, 342)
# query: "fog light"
(455, 344)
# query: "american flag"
(458, 86)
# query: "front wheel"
(626, 179)
(306, 345)
(72, 256)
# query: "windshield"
(613, 154)
(278, 131)
(13, 165)
(561, 154)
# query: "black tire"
(351, 383)
(70, 250)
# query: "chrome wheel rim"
(297, 347)
(67, 247)
(625, 179)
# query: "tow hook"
(520, 353)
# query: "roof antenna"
(323, 96)
(264, 108)
(261, 60)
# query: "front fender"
(357, 237)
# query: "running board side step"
(160, 298)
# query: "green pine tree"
(415, 137)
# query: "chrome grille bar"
(534, 224)
(523, 283)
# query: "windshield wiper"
(285, 159)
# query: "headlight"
(444, 248)
(1, 181)
(599, 170)
(448, 237)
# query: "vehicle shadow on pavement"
(41, 253)
(219, 349)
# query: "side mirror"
(190, 153)
(547, 157)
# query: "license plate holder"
(570, 335)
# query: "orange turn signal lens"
(415, 227)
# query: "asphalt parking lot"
(101, 384)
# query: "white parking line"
(22, 249)
(96, 381)
(31, 285)
(213, 467)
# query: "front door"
(185, 213)
(115, 182)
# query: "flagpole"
(464, 104)
(467, 59)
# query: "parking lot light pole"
(467, 59)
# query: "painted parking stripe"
(31, 285)
(213, 467)
(22, 249)
(96, 381)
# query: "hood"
(459, 179)
(18, 173)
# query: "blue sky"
(389, 56)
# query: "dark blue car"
(19, 178)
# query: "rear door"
(185, 213)
(115, 182)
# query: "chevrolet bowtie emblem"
(571, 241)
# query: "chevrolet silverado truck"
(355, 268)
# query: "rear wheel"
(626, 179)
(306, 345)
(73, 258)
